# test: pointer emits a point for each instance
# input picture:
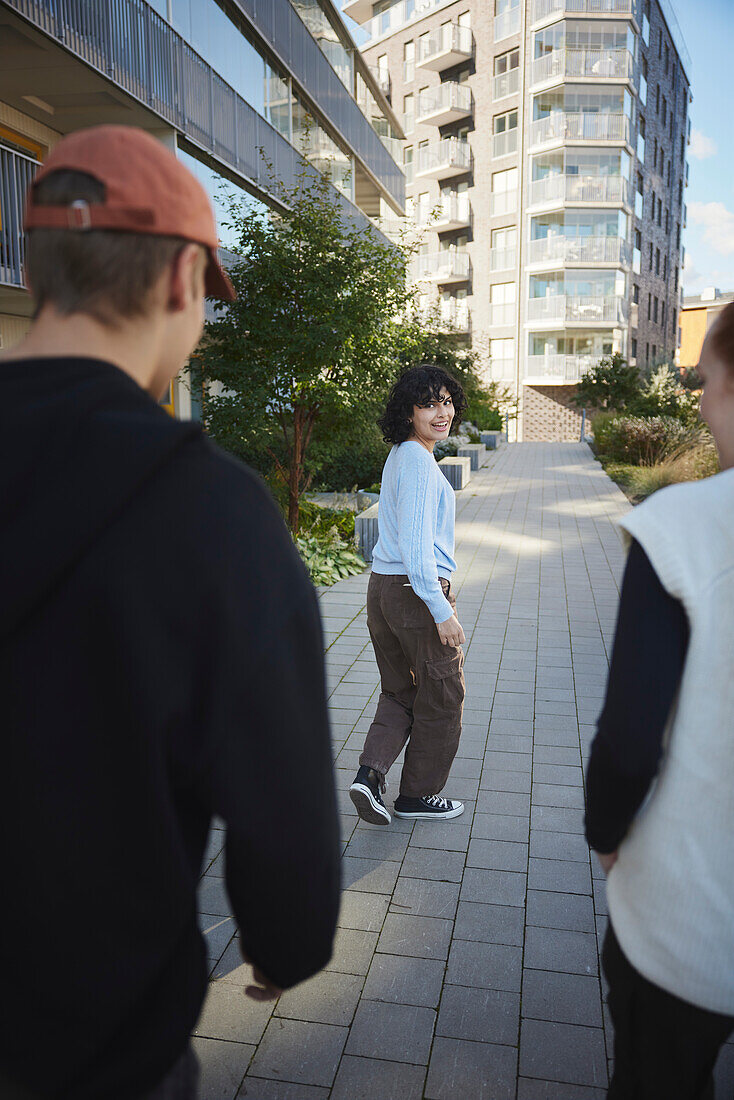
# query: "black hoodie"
(160, 662)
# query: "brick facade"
(549, 415)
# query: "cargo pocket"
(445, 681)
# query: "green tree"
(313, 328)
(611, 384)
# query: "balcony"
(453, 212)
(382, 79)
(447, 266)
(562, 189)
(583, 62)
(605, 309)
(503, 202)
(502, 259)
(555, 369)
(506, 24)
(684, 217)
(506, 83)
(448, 102)
(16, 173)
(454, 315)
(580, 126)
(445, 158)
(504, 144)
(390, 20)
(358, 10)
(543, 9)
(579, 250)
(446, 46)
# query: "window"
(506, 73)
(649, 307)
(504, 245)
(502, 358)
(408, 163)
(505, 134)
(504, 192)
(638, 239)
(650, 257)
(408, 114)
(635, 293)
(660, 212)
(655, 152)
(662, 313)
(667, 58)
(503, 297)
(640, 183)
(464, 19)
(633, 345)
(655, 311)
(665, 111)
(665, 268)
(654, 351)
(657, 261)
(657, 100)
(408, 62)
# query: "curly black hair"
(418, 386)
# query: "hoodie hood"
(79, 440)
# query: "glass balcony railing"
(557, 368)
(395, 17)
(446, 46)
(452, 212)
(560, 188)
(571, 61)
(504, 144)
(580, 126)
(447, 266)
(503, 202)
(587, 250)
(16, 173)
(544, 8)
(507, 23)
(448, 157)
(454, 314)
(506, 83)
(608, 308)
(382, 79)
(502, 259)
(445, 103)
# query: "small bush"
(328, 557)
(485, 417)
(693, 458)
(474, 436)
(640, 440)
(447, 448)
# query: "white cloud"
(718, 225)
(690, 276)
(702, 147)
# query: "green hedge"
(640, 440)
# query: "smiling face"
(431, 420)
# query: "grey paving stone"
(369, 1078)
(425, 898)
(557, 819)
(381, 842)
(353, 951)
(483, 1015)
(217, 933)
(393, 1032)
(556, 794)
(294, 1051)
(228, 1013)
(507, 761)
(550, 1090)
(223, 1066)
(463, 1069)
(434, 864)
(422, 937)
(549, 909)
(552, 845)
(563, 1052)
(564, 998)
(360, 909)
(212, 897)
(558, 773)
(405, 980)
(257, 1088)
(447, 836)
(485, 965)
(565, 875)
(373, 876)
(328, 998)
(500, 827)
(494, 887)
(489, 923)
(498, 855)
(503, 802)
(514, 743)
(515, 782)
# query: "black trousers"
(664, 1048)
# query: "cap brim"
(216, 281)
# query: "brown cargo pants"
(422, 683)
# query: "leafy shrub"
(327, 556)
(316, 520)
(640, 440)
(474, 436)
(446, 448)
(485, 416)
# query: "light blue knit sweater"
(416, 525)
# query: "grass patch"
(685, 463)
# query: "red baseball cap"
(147, 190)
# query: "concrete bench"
(365, 528)
(472, 451)
(457, 471)
(490, 439)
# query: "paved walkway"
(466, 963)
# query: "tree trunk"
(295, 471)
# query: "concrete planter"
(457, 471)
(365, 529)
(490, 439)
(472, 451)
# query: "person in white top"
(660, 782)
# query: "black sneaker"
(429, 808)
(365, 794)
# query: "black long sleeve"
(647, 663)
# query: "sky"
(708, 29)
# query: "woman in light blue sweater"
(410, 610)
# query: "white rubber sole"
(367, 806)
(422, 815)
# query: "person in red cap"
(161, 657)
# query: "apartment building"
(217, 80)
(545, 153)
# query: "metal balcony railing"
(581, 61)
(450, 98)
(506, 83)
(580, 126)
(578, 307)
(543, 8)
(502, 259)
(504, 144)
(450, 41)
(448, 155)
(559, 368)
(587, 250)
(16, 173)
(560, 188)
(507, 23)
(445, 266)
